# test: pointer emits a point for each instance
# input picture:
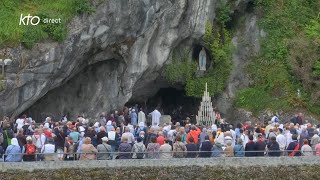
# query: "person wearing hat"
(104, 150)
(30, 150)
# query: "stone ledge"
(200, 162)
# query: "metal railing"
(20, 157)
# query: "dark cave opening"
(170, 101)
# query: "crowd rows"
(115, 138)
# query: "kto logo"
(33, 20)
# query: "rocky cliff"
(122, 46)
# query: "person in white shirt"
(19, 123)
(155, 115)
(281, 140)
(141, 116)
(129, 135)
(244, 137)
(48, 150)
(220, 137)
(233, 134)
(288, 136)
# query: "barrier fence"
(172, 154)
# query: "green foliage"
(316, 68)
(275, 71)
(313, 32)
(182, 69)
(83, 6)
(223, 13)
(11, 33)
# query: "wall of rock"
(132, 40)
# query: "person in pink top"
(317, 149)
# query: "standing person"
(153, 149)
(165, 150)
(273, 147)
(237, 130)
(306, 150)
(59, 141)
(315, 139)
(281, 140)
(30, 150)
(129, 136)
(317, 149)
(141, 116)
(250, 147)
(155, 115)
(125, 149)
(183, 135)
(138, 149)
(112, 141)
(14, 151)
(228, 151)
(192, 148)
(88, 150)
(75, 135)
(220, 137)
(244, 137)
(109, 126)
(140, 128)
(134, 118)
(102, 133)
(300, 119)
(8, 134)
(150, 134)
(179, 148)
(239, 149)
(294, 147)
(194, 132)
(160, 138)
(260, 146)
(104, 150)
(48, 150)
(294, 119)
(69, 149)
(303, 135)
(103, 119)
(206, 147)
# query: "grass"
(12, 34)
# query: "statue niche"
(202, 60)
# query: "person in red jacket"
(195, 132)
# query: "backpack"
(140, 152)
(30, 149)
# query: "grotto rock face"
(105, 54)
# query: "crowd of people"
(129, 136)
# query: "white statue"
(202, 60)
